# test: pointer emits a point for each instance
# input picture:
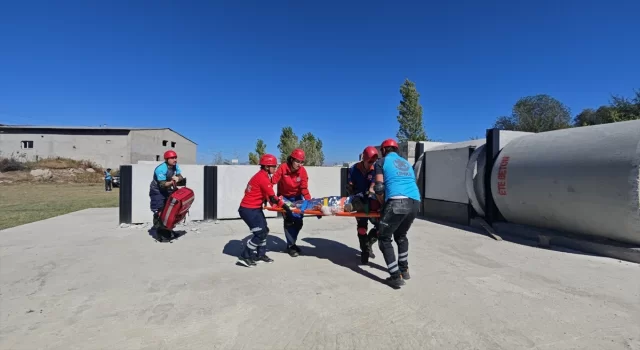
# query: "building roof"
(51, 127)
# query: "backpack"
(177, 207)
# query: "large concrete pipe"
(581, 180)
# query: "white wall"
(444, 177)
(142, 175)
(324, 181)
(233, 179)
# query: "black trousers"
(257, 245)
(367, 238)
(396, 219)
(107, 185)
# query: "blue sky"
(227, 73)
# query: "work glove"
(288, 214)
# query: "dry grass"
(24, 203)
(63, 170)
(63, 163)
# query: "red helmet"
(269, 160)
(298, 154)
(370, 153)
(389, 143)
(170, 154)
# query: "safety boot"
(246, 262)
(395, 281)
(405, 274)
(264, 259)
(293, 252)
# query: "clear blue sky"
(227, 73)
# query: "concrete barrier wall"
(141, 177)
(231, 182)
(445, 174)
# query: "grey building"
(106, 146)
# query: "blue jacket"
(399, 177)
(359, 178)
(158, 194)
(107, 175)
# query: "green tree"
(619, 109)
(410, 114)
(288, 142)
(537, 113)
(591, 116)
(261, 149)
(312, 147)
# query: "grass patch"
(63, 163)
(24, 203)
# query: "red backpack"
(177, 207)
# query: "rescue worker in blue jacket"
(165, 176)
(396, 187)
(360, 180)
(107, 180)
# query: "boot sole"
(245, 264)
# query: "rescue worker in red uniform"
(293, 184)
(258, 191)
(361, 180)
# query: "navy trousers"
(293, 226)
(257, 245)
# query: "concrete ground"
(80, 282)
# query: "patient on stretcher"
(336, 204)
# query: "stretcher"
(354, 214)
(357, 206)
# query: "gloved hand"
(287, 210)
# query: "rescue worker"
(396, 187)
(258, 191)
(361, 180)
(165, 176)
(293, 184)
(107, 180)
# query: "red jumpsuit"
(293, 186)
(258, 190)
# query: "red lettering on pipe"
(502, 176)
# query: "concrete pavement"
(79, 281)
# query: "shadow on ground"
(235, 246)
(508, 237)
(336, 252)
(341, 254)
(154, 234)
